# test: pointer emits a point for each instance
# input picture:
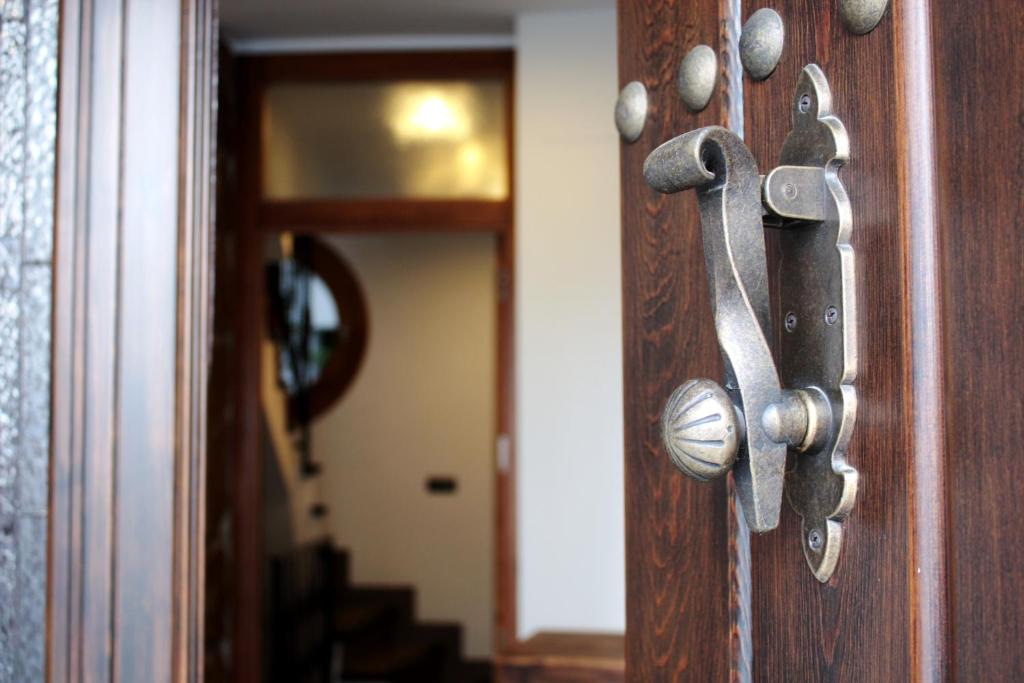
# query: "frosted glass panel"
(395, 139)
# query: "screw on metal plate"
(698, 74)
(815, 540)
(818, 280)
(631, 111)
(861, 16)
(761, 43)
(801, 410)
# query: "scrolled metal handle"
(715, 163)
(751, 424)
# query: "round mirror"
(318, 321)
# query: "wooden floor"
(554, 657)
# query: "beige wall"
(571, 546)
(422, 404)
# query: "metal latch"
(803, 409)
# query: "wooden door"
(131, 308)
(929, 581)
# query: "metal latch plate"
(817, 302)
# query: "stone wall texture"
(28, 90)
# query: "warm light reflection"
(405, 139)
(471, 156)
(420, 114)
(434, 118)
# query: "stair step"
(406, 661)
(476, 671)
(355, 622)
(374, 633)
(446, 638)
(372, 615)
(399, 597)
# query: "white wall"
(422, 404)
(568, 325)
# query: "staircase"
(327, 630)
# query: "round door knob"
(700, 429)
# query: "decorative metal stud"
(698, 73)
(761, 43)
(862, 16)
(631, 111)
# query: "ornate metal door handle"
(807, 405)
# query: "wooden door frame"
(131, 313)
(259, 217)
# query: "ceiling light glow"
(420, 115)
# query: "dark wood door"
(131, 311)
(929, 581)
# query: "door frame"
(131, 313)
(259, 216)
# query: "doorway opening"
(361, 368)
(464, 238)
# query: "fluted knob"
(700, 429)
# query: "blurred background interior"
(415, 429)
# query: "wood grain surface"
(928, 584)
(558, 657)
(385, 215)
(857, 626)
(979, 130)
(677, 530)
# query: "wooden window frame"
(362, 215)
(258, 216)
